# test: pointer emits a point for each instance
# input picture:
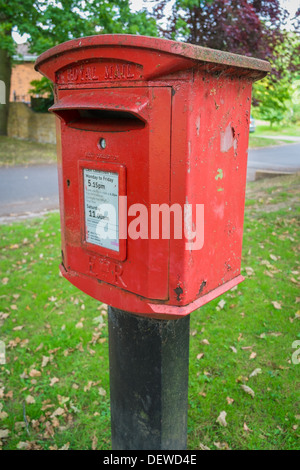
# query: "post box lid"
(183, 53)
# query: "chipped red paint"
(187, 144)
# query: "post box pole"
(149, 361)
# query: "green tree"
(275, 97)
(50, 22)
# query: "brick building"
(22, 74)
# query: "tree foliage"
(249, 27)
(276, 97)
(50, 22)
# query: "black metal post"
(148, 381)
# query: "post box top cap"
(179, 49)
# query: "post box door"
(122, 134)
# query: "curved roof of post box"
(180, 50)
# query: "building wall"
(23, 123)
(21, 76)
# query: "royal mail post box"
(152, 139)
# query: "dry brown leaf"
(29, 400)
(229, 400)
(222, 445)
(58, 412)
(245, 427)
(203, 447)
(222, 419)
(53, 381)
(253, 355)
(18, 328)
(222, 303)
(199, 356)
(94, 442)
(65, 447)
(35, 373)
(45, 360)
(102, 392)
(4, 433)
(249, 271)
(22, 445)
(276, 305)
(248, 390)
(255, 372)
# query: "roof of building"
(23, 54)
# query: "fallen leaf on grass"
(18, 328)
(199, 356)
(249, 271)
(29, 400)
(45, 360)
(58, 412)
(203, 447)
(294, 281)
(4, 433)
(65, 447)
(245, 427)
(221, 304)
(205, 341)
(276, 305)
(35, 373)
(222, 419)
(222, 445)
(233, 349)
(248, 390)
(229, 400)
(22, 445)
(255, 373)
(62, 400)
(94, 442)
(53, 381)
(253, 355)
(3, 415)
(102, 392)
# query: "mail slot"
(152, 139)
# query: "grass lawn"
(54, 387)
(25, 152)
(256, 138)
(263, 128)
(256, 141)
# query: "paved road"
(279, 158)
(25, 190)
(35, 189)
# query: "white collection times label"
(101, 207)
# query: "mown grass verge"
(54, 387)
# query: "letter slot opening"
(106, 120)
(107, 113)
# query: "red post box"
(152, 139)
